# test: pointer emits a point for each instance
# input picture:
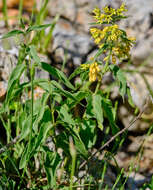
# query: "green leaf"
(12, 33)
(77, 71)
(62, 141)
(44, 129)
(78, 96)
(59, 89)
(34, 55)
(97, 109)
(65, 116)
(84, 75)
(57, 74)
(26, 155)
(51, 164)
(89, 110)
(54, 87)
(24, 158)
(108, 109)
(41, 109)
(25, 128)
(45, 126)
(88, 132)
(80, 147)
(38, 27)
(130, 98)
(45, 84)
(121, 78)
(14, 78)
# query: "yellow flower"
(97, 40)
(106, 9)
(111, 35)
(116, 50)
(121, 10)
(93, 72)
(113, 59)
(85, 66)
(108, 14)
(106, 58)
(101, 46)
(108, 18)
(97, 11)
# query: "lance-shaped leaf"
(12, 33)
(14, 78)
(38, 27)
(97, 109)
(119, 75)
(57, 74)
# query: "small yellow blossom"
(97, 40)
(113, 59)
(93, 72)
(108, 14)
(101, 46)
(85, 66)
(116, 50)
(97, 11)
(106, 10)
(121, 10)
(106, 58)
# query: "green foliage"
(70, 116)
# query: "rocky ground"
(71, 36)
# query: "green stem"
(32, 100)
(73, 154)
(5, 13)
(103, 175)
(9, 127)
(72, 171)
(20, 10)
(97, 87)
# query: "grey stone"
(76, 45)
(63, 7)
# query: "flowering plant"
(111, 40)
(72, 115)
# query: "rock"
(126, 116)
(136, 143)
(76, 45)
(138, 179)
(2, 91)
(65, 8)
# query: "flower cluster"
(118, 42)
(109, 33)
(85, 66)
(108, 14)
(114, 41)
(93, 72)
